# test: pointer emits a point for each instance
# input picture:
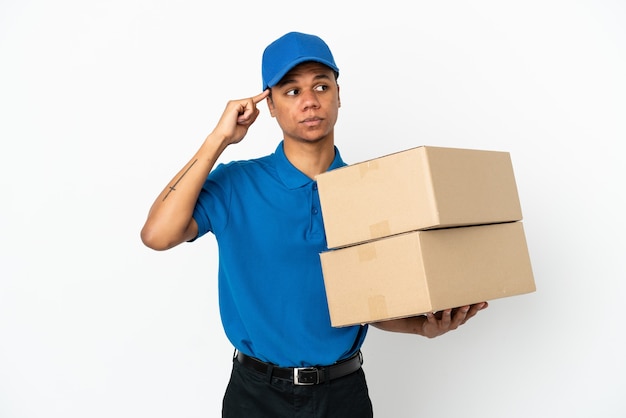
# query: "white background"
(102, 102)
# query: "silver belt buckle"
(313, 379)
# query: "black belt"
(304, 375)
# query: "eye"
(292, 92)
(321, 87)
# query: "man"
(265, 216)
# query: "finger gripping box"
(421, 188)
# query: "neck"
(311, 158)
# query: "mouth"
(313, 121)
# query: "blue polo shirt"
(266, 217)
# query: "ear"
(270, 105)
(338, 97)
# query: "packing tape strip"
(365, 167)
(366, 252)
(380, 229)
(377, 307)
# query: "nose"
(309, 100)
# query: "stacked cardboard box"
(421, 230)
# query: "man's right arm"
(170, 219)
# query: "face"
(306, 103)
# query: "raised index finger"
(256, 99)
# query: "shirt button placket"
(317, 228)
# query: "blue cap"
(290, 50)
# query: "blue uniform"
(266, 216)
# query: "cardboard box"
(420, 188)
(426, 271)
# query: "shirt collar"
(290, 175)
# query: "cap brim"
(279, 75)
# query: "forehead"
(308, 68)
